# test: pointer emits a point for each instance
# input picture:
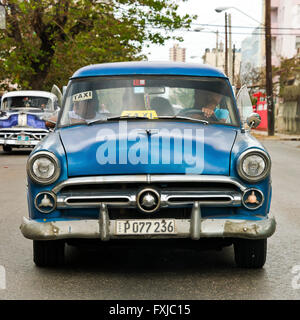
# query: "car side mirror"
(50, 121)
(253, 120)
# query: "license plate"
(144, 227)
(22, 140)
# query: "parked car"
(21, 117)
(122, 163)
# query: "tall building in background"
(285, 32)
(216, 58)
(251, 56)
(177, 54)
(285, 24)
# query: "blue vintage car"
(147, 150)
(21, 117)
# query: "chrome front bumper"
(195, 228)
(17, 143)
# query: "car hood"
(148, 147)
(22, 120)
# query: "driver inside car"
(208, 105)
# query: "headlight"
(253, 165)
(43, 167)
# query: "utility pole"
(226, 49)
(269, 82)
(229, 49)
(233, 64)
(217, 48)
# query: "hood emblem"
(148, 200)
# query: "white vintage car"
(21, 117)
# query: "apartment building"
(285, 24)
(177, 53)
(216, 57)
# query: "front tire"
(48, 253)
(250, 253)
(7, 148)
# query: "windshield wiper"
(183, 118)
(146, 118)
(116, 118)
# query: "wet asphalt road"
(138, 273)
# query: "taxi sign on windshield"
(150, 114)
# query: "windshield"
(152, 97)
(29, 102)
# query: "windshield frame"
(236, 115)
(5, 99)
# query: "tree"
(287, 71)
(47, 40)
(253, 76)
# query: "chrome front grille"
(121, 191)
(13, 133)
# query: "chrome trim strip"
(86, 201)
(147, 179)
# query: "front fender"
(243, 142)
(51, 143)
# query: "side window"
(4, 105)
(56, 104)
(244, 103)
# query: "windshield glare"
(31, 102)
(151, 97)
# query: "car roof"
(29, 93)
(148, 68)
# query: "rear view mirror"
(55, 90)
(244, 103)
(155, 90)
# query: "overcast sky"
(196, 42)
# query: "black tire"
(48, 253)
(7, 148)
(250, 253)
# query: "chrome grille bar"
(147, 179)
(168, 199)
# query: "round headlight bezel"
(254, 152)
(50, 156)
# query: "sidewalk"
(263, 135)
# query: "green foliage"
(47, 40)
(253, 100)
(288, 71)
